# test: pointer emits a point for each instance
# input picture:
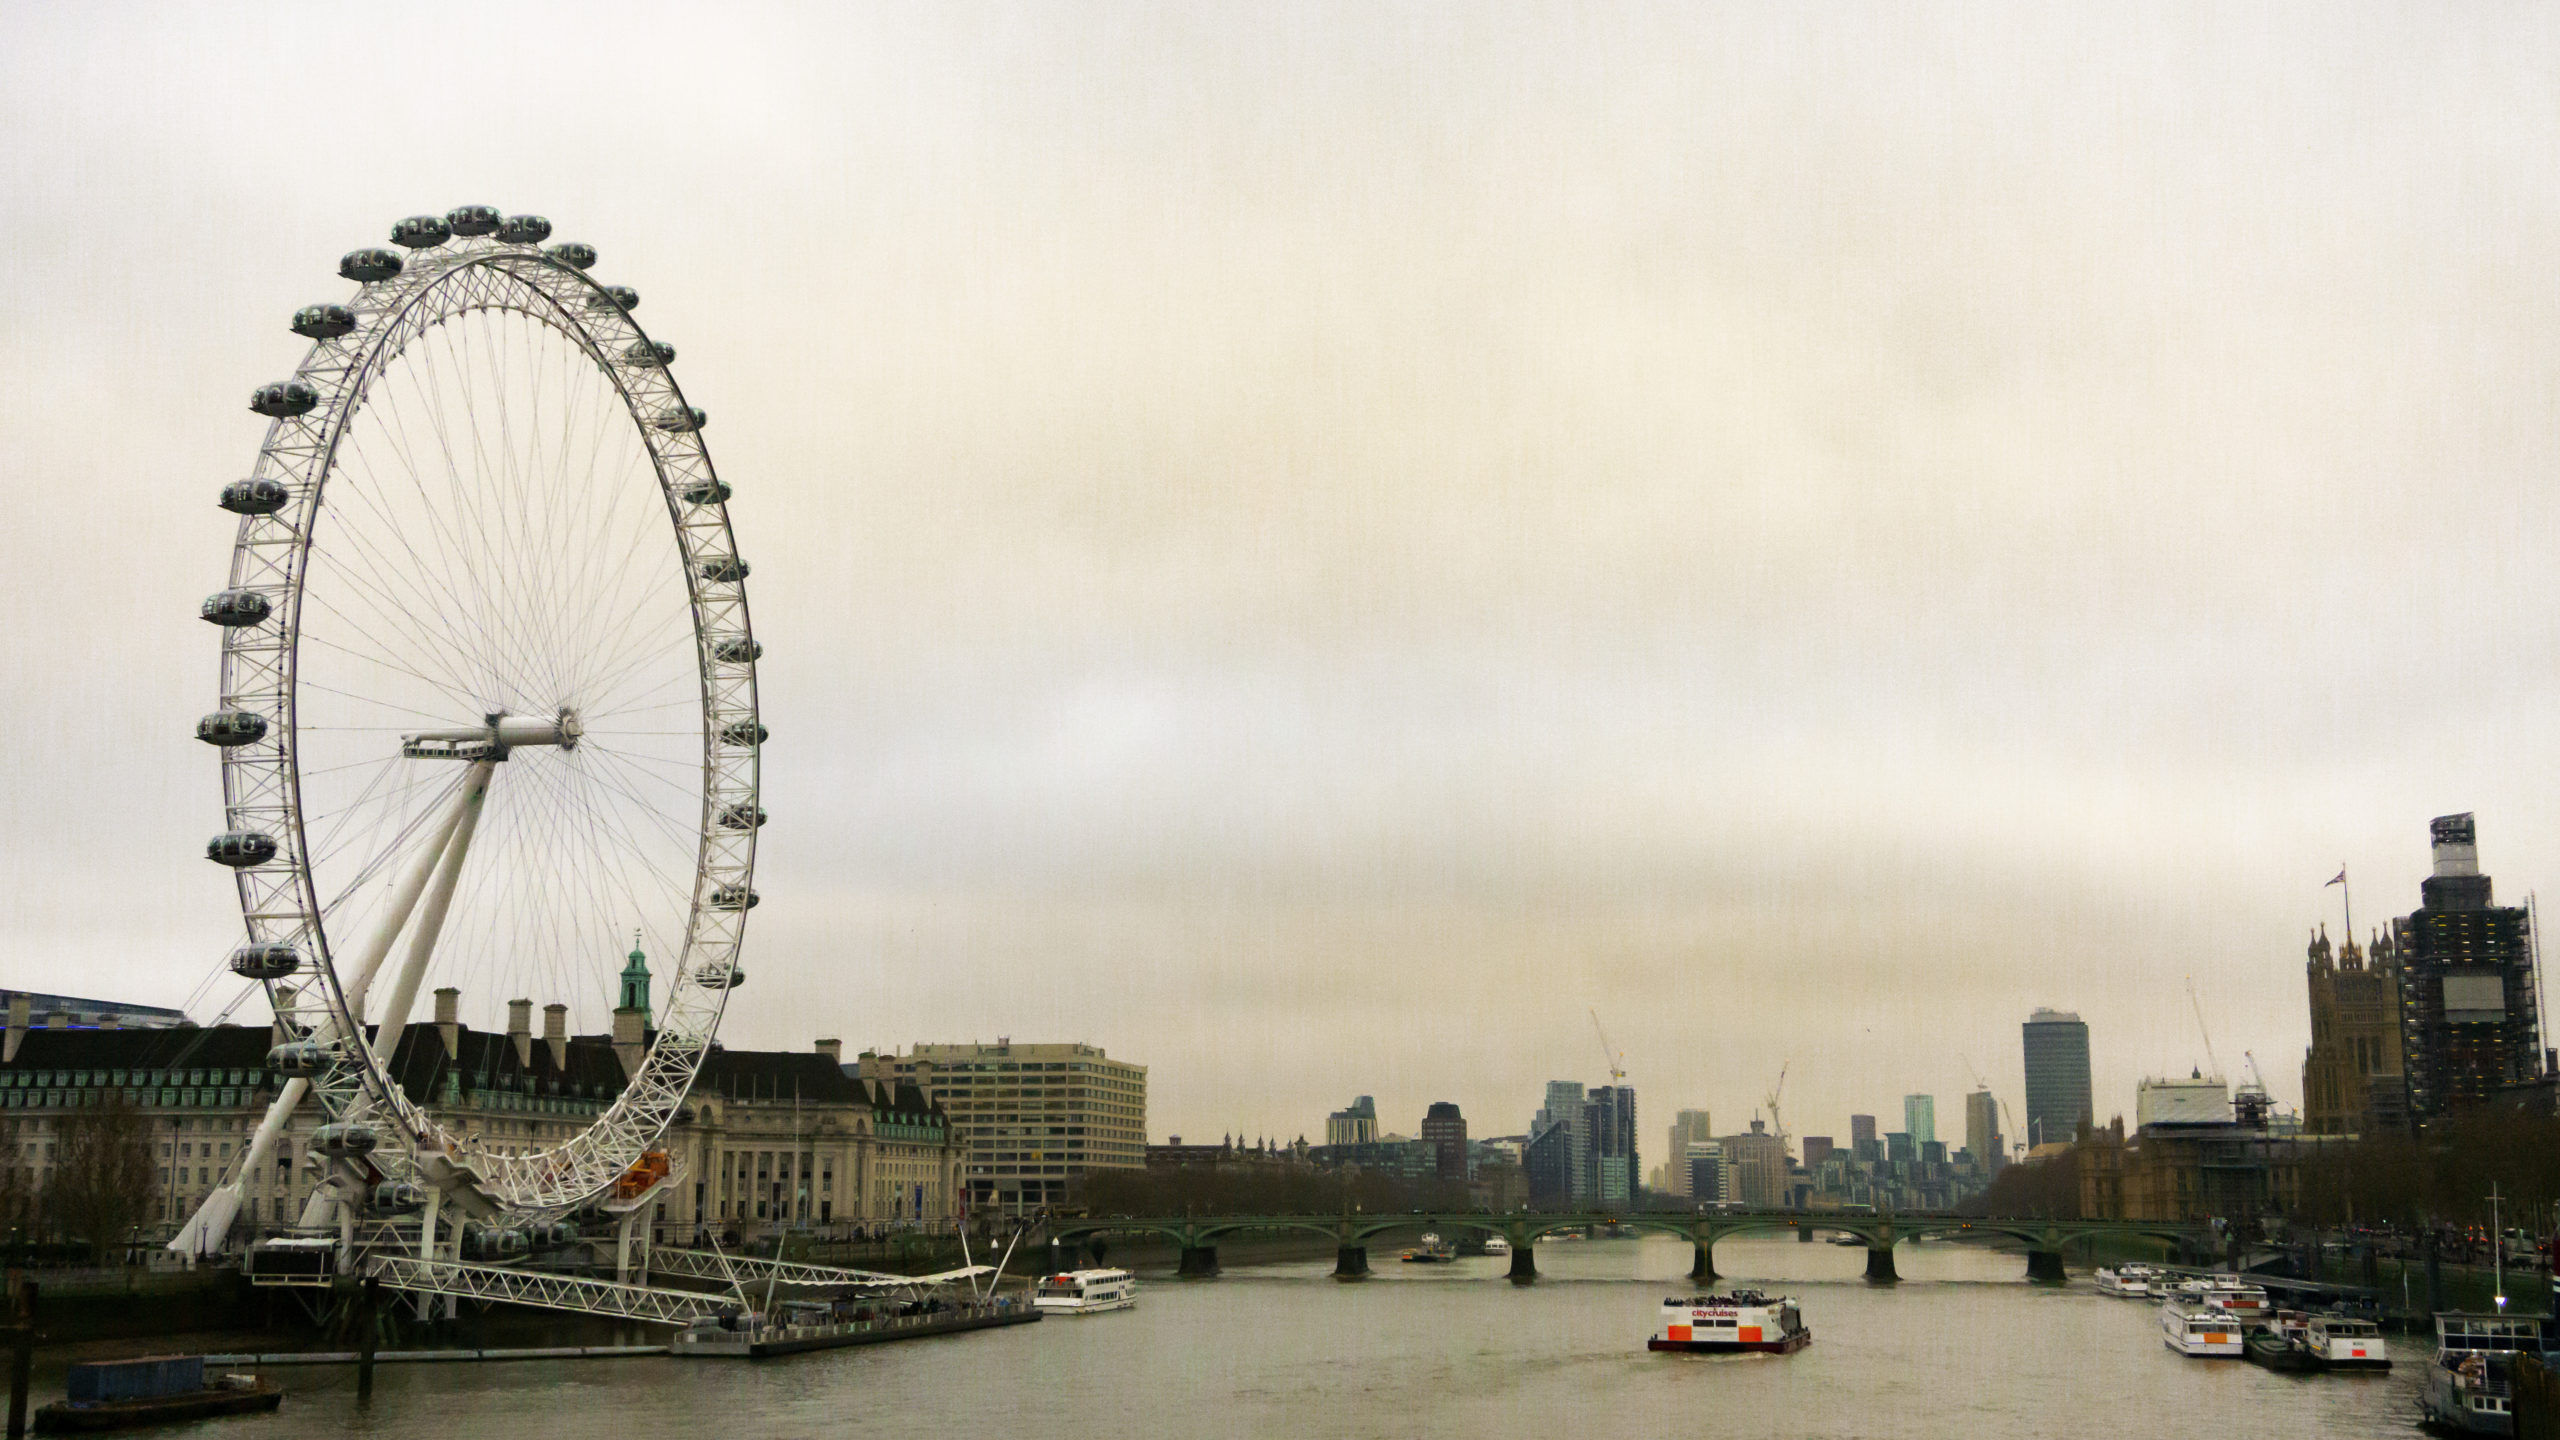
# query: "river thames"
(1964, 1347)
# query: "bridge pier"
(1702, 1261)
(1351, 1262)
(1880, 1265)
(2044, 1267)
(1198, 1262)
(1524, 1262)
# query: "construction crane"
(1610, 1053)
(2198, 1003)
(1776, 1124)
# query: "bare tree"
(102, 1175)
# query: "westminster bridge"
(1197, 1236)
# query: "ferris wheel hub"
(492, 741)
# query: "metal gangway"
(545, 1290)
(745, 1269)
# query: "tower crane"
(2017, 1141)
(1776, 1124)
(1616, 1058)
(2198, 1003)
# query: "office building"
(1610, 1124)
(1563, 1125)
(1356, 1124)
(1817, 1148)
(1755, 1168)
(2353, 1065)
(1689, 1127)
(1920, 1117)
(1862, 1139)
(1705, 1179)
(1034, 1117)
(2057, 1064)
(1982, 1132)
(1445, 1131)
(2468, 1014)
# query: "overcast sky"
(1312, 547)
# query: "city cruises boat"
(2245, 1301)
(1432, 1251)
(2204, 1331)
(1085, 1292)
(2128, 1280)
(828, 1325)
(2318, 1343)
(2470, 1388)
(1743, 1322)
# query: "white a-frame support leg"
(205, 1231)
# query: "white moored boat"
(2191, 1328)
(1745, 1321)
(2128, 1280)
(1085, 1292)
(2471, 1386)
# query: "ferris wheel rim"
(263, 782)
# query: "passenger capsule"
(341, 1137)
(721, 977)
(683, 420)
(323, 322)
(299, 1057)
(369, 266)
(576, 254)
(615, 297)
(649, 354)
(742, 816)
(471, 219)
(738, 650)
(283, 398)
(265, 962)
(723, 569)
(734, 897)
(398, 1197)
(524, 230)
(241, 849)
(227, 728)
(232, 609)
(259, 496)
(707, 492)
(743, 733)
(421, 232)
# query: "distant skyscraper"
(1610, 1124)
(1862, 1139)
(1690, 1127)
(1920, 1117)
(2057, 1053)
(1817, 1148)
(1982, 1131)
(1563, 1126)
(2467, 1012)
(1355, 1125)
(1445, 1131)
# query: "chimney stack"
(449, 1020)
(833, 1050)
(520, 1031)
(21, 1010)
(555, 1034)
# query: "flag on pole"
(2341, 880)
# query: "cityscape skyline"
(1309, 581)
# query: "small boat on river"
(2318, 1344)
(1743, 1322)
(2203, 1331)
(156, 1390)
(796, 1325)
(1496, 1245)
(2130, 1281)
(2470, 1388)
(1085, 1292)
(1432, 1251)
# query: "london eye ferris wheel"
(488, 699)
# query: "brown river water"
(1964, 1347)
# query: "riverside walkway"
(1197, 1236)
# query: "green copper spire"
(635, 981)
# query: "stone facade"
(2355, 1033)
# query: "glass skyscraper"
(2057, 1054)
